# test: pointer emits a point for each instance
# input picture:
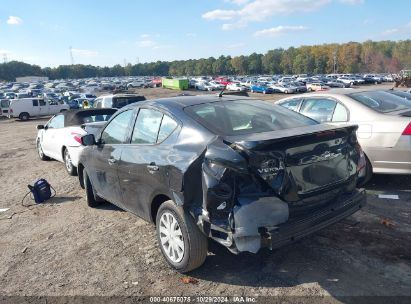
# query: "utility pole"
(71, 55)
(5, 57)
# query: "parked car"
(25, 108)
(236, 86)
(205, 86)
(59, 139)
(217, 85)
(136, 84)
(261, 88)
(245, 173)
(285, 87)
(317, 86)
(384, 122)
(116, 101)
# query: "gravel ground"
(64, 248)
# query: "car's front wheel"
(182, 243)
(71, 169)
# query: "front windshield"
(382, 102)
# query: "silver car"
(383, 119)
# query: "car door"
(44, 108)
(106, 156)
(51, 141)
(33, 109)
(143, 169)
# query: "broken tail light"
(407, 130)
(76, 137)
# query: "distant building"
(31, 79)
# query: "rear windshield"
(246, 117)
(95, 118)
(382, 102)
(401, 94)
(119, 102)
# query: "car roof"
(187, 101)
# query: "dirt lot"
(65, 248)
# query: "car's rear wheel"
(91, 197)
(71, 169)
(182, 243)
(40, 152)
(24, 116)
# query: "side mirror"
(88, 140)
(40, 127)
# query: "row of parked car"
(286, 84)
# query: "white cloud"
(145, 35)
(281, 29)
(13, 20)
(352, 2)
(405, 30)
(237, 2)
(260, 10)
(84, 53)
(146, 43)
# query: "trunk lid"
(302, 163)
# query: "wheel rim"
(67, 161)
(171, 237)
(39, 150)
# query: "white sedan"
(204, 86)
(60, 138)
(235, 86)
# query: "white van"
(33, 107)
(4, 107)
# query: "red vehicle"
(156, 82)
(223, 80)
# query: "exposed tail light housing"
(76, 137)
(407, 130)
(362, 162)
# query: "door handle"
(152, 167)
(111, 161)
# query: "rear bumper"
(294, 230)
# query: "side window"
(168, 125)
(116, 130)
(35, 103)
(57, 122)
(291, 104)
(319, 109)
(340, 113)
(53, 102)
(42, 102)
(146, 127)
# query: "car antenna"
(221, 93)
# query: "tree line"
(351, 57)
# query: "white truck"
(25, 108)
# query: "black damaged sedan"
(245, 173)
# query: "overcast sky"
(114, 32)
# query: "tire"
(194, 242)
(24, 116)
(264, 92)
(40, 152)
(71, 169)
(252, 91)
(91, 197)
(286, 92)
